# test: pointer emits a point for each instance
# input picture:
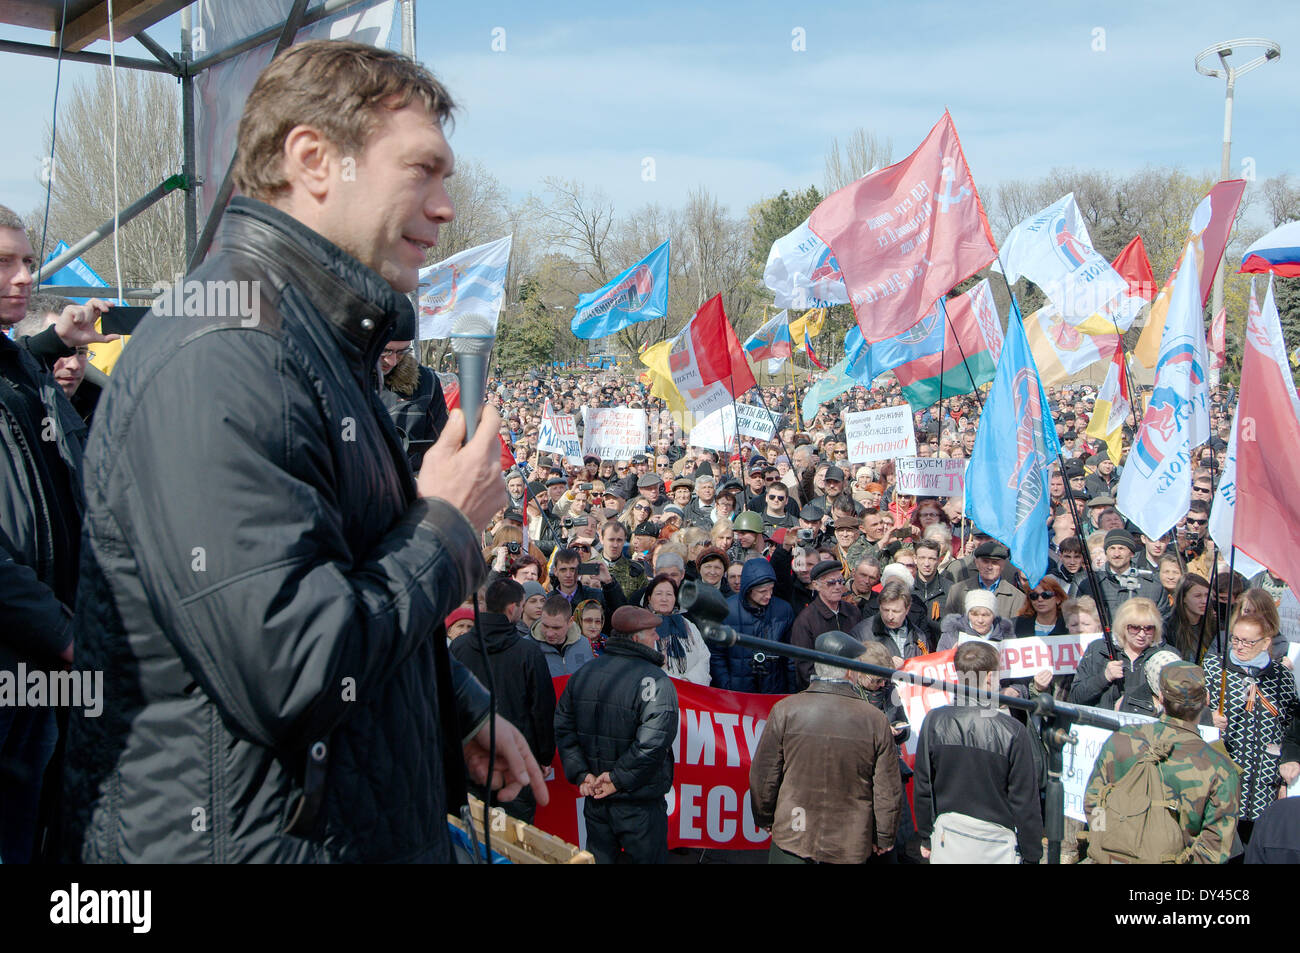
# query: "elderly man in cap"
(615, 725)
(828, 612)
(1200, 780)
(1121, 579)
(755, 486)
(825, 778)
(850, 545)
(683, 488)
(651, 489)
(990, 559)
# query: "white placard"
(613, 433)
(558, 433)
(930, 476)
(880, 434)
(1025, 658)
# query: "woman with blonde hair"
(1121, 682)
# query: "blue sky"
(719, 98)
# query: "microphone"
(472, 337)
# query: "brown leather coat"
(825, 777)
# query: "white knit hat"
(981, 599)
(898, 571)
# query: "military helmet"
(748, 522)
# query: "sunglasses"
(1141, 629)
(1041, 595)
(1192, 522)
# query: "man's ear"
(309, 161)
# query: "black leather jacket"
(619, 714)
(979, 763)
(259, 580)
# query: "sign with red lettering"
(1025, 658)
(708, 806)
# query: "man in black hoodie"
(525, 695)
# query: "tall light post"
(1271, 51)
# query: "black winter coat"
(418, 407)
(259, 581)
(525, 694)
(1090, 686)
(40, 509)
(618, 713)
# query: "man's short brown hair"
(336, 86)
(977, 657)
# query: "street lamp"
(1271, 51)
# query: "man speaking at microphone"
(263, 582)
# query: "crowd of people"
(802, 542)
(303, 586)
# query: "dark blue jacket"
(733, 667)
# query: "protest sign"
(613, 433)
(930, 476)
(1081, 757)
(558, 433)
(719, 430)
(1025, 658)
(917, 701)
(880, 434)
(708, 806)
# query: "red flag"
(1133, 264)
(904, 236)
(1267, 524)
(812, 356)
(707, 361)
(451, 397)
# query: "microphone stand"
(1055, 717)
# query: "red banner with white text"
(708, 806)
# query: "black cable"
(492, 735)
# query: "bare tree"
(578, 221)
(860, 154)
(1281, 199)
(482, 210)
(151, 246)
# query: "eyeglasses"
(82, 351)
(1245, 643)
(398, 353)
(1141, 629)
(833, 583)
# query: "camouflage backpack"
(1136, 821)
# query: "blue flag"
(1007, 479)
(868, 363)
(75, 272)
(638, 294)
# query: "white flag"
(1155, 488)
(470, 282)
(1052, 249)
(802, 273)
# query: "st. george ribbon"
(472, 337)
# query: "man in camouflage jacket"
(1204, 781)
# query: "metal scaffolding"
(87, 22)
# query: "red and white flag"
(904, 236)
(1267, 524)
(707, 361)
(1218, 345)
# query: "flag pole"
(960, 350)
(1093, 584)
(943, 348)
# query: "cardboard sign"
(880, 434)
(930, 476)
(613, 433)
